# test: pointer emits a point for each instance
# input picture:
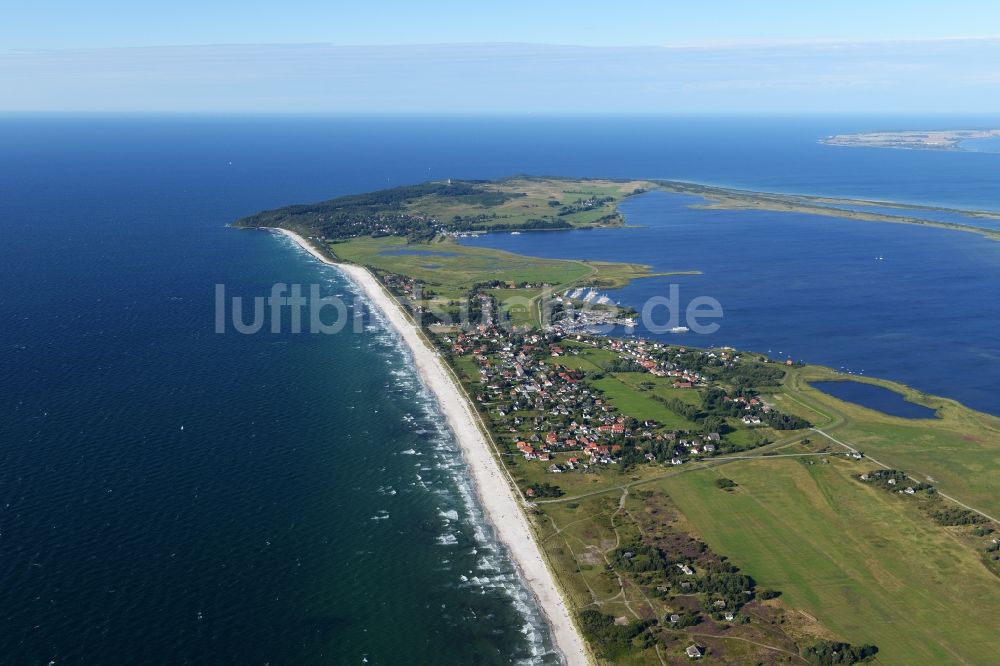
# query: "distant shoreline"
(496, 495)
(725, 198)
(943, 140)
(428, 209)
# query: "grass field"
(866, 564)
(517, 305)
(859, 562)
(959, 451)
(534, 204)
(579, 535)
(632, 402)
(589, 358)
(454, 268)
(450, 270)
(661, 386)
(851, 560)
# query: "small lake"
(875, 397)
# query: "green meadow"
(517, 305)
(537, 198)
(452, 266)
(865, 565)
(633, 402)
(959, 452)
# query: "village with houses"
(544, 394)
(546, 409)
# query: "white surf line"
(912, 478)
(501, 503)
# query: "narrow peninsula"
(665, 503)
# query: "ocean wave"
(447, 460)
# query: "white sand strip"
(503, 507)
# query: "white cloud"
(929, 76)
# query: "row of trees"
(954, 515)
(830, 653)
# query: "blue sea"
(169, 494)
(910, 303)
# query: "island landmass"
(663, 502)
(911, 139)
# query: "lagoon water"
(169, 494)
(929, 214)
(875, 397)
(911, 303)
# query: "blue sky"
(513, 57)
(110, 23)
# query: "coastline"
(725, 198)
(497, 498)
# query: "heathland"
(688, 502)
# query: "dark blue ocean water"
(298, 517)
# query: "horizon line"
(750, 42)
(8, 113)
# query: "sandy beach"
(502, 506)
